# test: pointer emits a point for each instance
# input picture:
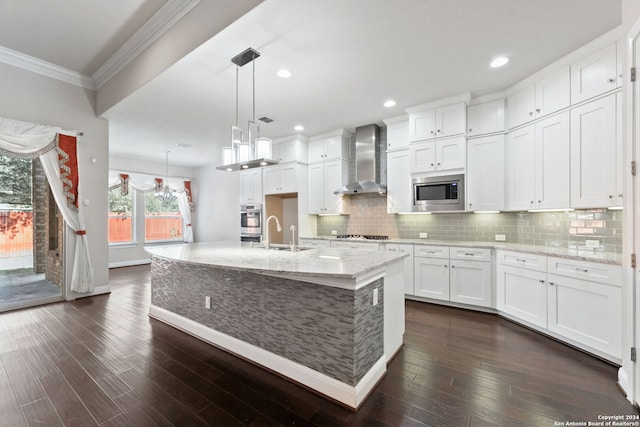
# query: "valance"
(26, 140)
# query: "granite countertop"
(316, 262)
(577, 254)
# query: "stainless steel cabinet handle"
(469, 254)
(438, 164)
(611, 196)
(541, 281)
(611, 80)
(453, 266)
(551, 283)
(438, 131)
(470, 129)
(537, 110)
(445, 266)
(530, 113)
(431, 164)
(582, 270)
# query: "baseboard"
(623, 384)
(130, 263)
(345, 394)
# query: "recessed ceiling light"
(299, 128)
(390, 103)
(499, 62)
(285, 74)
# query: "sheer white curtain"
(146, 182)
(29, 140)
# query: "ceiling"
(346, 59)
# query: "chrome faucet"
(293, 237)
(266, 238)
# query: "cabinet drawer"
(595, 272)
(356, 245)
(522, 260)
(470, 254)
(314, 242)
(431, 251)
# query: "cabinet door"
(521, 106)
(422, 157)
(451, 120)
(471, 283)
(431, 278)
(422, 125)
(451, 153)
(586, 312)
(271, 179)
(522, 293)
(288, 151)
(333, 147)
(335, 176)
(314, 242)
(398, 135)
(398, 182)
(316, 150)
(251, 185)
(408, 264)
(553, 93)
(289, 178)
(485, 173)
(485, 118)
(315, 181)
(593, 162)
(520, 169)
(619, 193)
(594, 75)
(552, 163)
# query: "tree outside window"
(162, 223)
(120, 216)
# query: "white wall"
(35, 98)
(133, 254)
(217, 204)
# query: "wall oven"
(438, 193)
(250, 222)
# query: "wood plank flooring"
(103, 361)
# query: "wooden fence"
(16, 233)
(158, 227)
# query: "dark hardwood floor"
(103, 361)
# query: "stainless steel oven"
(250, 222)
(438, 193)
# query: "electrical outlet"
(207, 303)
(334, 232)
(375, 297)
(501, 237)
(595, 244)
(424, 235)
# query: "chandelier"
(254, 151)
(164, 193)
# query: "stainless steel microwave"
(438, 193)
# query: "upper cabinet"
(594, 75)
(331, 146)
(438, 122)
(440, 155)
(546, 96)
(280, 179)
(485, 173)
(290, 149)
(398, 181)
(397, 133)
(485, 118)
(251, 185)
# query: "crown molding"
(151, 31)
(30, 63)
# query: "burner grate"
(362, 236)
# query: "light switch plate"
(375, 296)
(501, 237)
(334, 232)
(207, 302)
(424, 235)
(595, 244)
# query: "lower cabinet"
(310, 242)
(470, 283)
(408, 263)
(522, 293)
(431, 276)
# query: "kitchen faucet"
(266, 239)
(293, 237)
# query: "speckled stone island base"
(327, 338)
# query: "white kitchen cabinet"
(620, 53)
(594, 75)
(332, 146)
(429, 251)
(593, 154)
(546, 96)
(439, 155)
(537, 165)
(619, 193)
(398, 182)
(522, 293)
(408, 263)
(280, 179)
(314, 243)
(438, 122)
(485, 118)
(357, 245)
(431, 278)
(471, 282)
(251, 185)
(485, 173)
(323, 179)
(290, 149)
(588, 313)
(397, 134)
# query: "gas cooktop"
(361, 237)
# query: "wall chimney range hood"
(367, 164)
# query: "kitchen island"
(329, 319)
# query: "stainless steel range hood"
(367, 164)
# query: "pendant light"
(166, 196)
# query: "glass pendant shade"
(263, 148)
(227, 155)
(244, 152)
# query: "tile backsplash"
(559, 229)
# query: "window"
(120, 216)
(161, 223)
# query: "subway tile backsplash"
(558, 229)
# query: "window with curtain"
(120, 216)
(161, 223)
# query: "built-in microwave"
(438, 193)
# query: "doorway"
(30, 236)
